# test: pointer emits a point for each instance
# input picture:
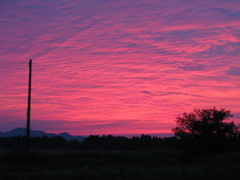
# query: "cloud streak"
(111, 62)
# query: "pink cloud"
(117, 67)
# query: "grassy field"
(116, 165)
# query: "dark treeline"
(108, 142)
(144, 141)
(95, 142)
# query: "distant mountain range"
(33, 133)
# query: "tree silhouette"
(205, 129)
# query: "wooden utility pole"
(29, 104)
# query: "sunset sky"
(117, 66)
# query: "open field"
(117, 165)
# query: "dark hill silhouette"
(34, 133)
(22, 132)
(69, 137)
